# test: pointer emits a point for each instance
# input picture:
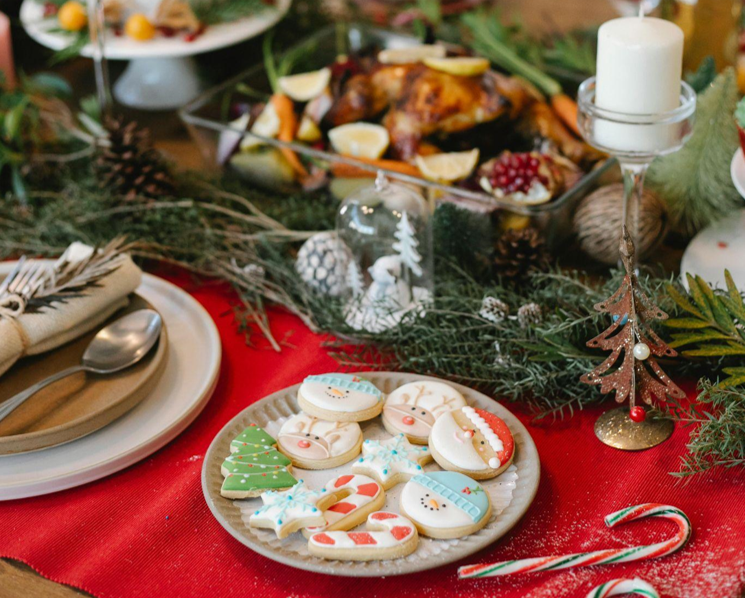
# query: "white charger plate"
(511, 493)
(125, 48)
(180, 395)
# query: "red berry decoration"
(637, 414)
(529, 177)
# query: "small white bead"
(641, 351)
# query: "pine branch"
(211, 12)
(696, 181)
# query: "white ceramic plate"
(511, 493)
(181, 393)
(125, 48)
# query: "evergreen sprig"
(714, 325)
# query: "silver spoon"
(116, 347)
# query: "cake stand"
(161, 74)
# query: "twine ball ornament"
(598, 223)
(322, 263)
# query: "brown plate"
(79, 404)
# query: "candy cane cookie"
(597, 557)
(413, 408)
(473, 442)
(621, 587)
(356, 497)
(312, 443)
(390, 536)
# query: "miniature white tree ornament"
(407, 244)
(354, 280)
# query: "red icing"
(303, 444)
(400, 532)
(408, 420)
(323, 539)
(342, 507)
(502, 431)
(368, 489)
(362, 538)
(343, 480)
(381, 515)
(722, 245)
(251, 425)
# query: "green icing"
(255, 464)
(740, 113)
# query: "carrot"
(287, 128)
(566, 109)
(343, 170)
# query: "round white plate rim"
(737, 171)
(217, 36)
(350, 572)
(112, 464)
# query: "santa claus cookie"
(313, 443)
(472, 441)
(445, 504)
(340, 397)
(390, 536)
(413, 408)
(356, 497)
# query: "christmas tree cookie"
(254, 466)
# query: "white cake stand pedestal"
(161, 74)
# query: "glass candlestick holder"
(635, 140)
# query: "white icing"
(382, 539)
(327, 439)
(489, 434)
(440, 513)
(431, 399)
(388, 458)
(286, 507)
(454, 443)
(333, 398)
(495, 463)
(357, 500)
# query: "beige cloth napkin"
(49, 328)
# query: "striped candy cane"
(618, 587)
(598, 557)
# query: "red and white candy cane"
(364, 493)
(619, 587)
(597, 557)
(393, 531)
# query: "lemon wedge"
(308, 131)
(266, 125)
(449, 167)
(464, 66)
(411, 54)
(360, 140)
(305, 86)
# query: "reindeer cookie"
(312, 443)
(413, 408)
(472, 441)
(340, 397)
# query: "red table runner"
(146, 531)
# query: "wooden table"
(18, 580)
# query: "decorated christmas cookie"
(356, 497)
(254, 466)
(472, 441)
(413, 408)
(312, 443)
(390, 536)
(445, 504)
(340, 397)
(391, 461)
(290, 510)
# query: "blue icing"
(466, 494)
(348, 381)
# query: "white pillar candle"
(639, 68)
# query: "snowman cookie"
(472, 441)
(391, 461)
(312, 443)
(414, 407)
(445, 504)
(340, 397)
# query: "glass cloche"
(387, 228)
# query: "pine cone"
(130, 166)
(494, 310)
(529, 315)
(519, 252)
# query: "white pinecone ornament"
(494, 310)
(322, 263)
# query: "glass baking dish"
(209, 119)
